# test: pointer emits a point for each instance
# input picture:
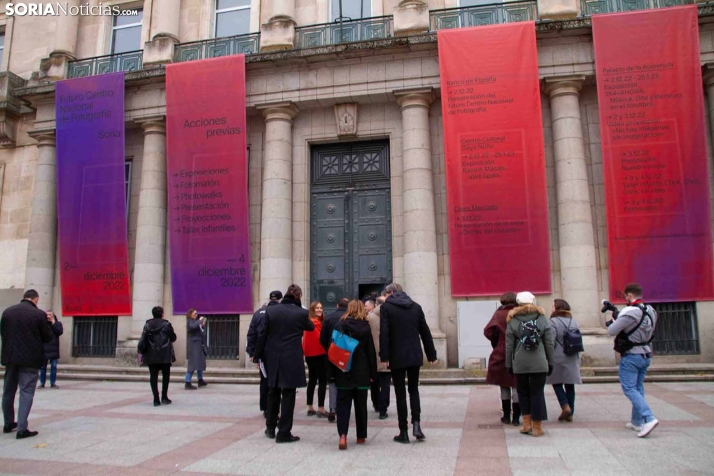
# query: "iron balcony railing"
(339, 32)
(480, 15)
(129, 61)
(594, 7)
(216, 47)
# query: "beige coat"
(373, 319)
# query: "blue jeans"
(566, 396)
(633, 368)
(53, 372)
(189, 375)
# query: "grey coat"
(519, 359)
(197, 348)
(567, 367)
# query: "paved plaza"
(112, 428)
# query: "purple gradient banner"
(91, 197)
(208, 186)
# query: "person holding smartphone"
(197, 349)
(52, 352)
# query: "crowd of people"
(531, 350)
(389, 335)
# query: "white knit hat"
(525, 298)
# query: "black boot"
(189, 386)
(416, 431)
(402, 437)
(516, 414)
(202, 383)
(506, 408)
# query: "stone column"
(151, 225)
(708, 74)
(276, 257)
(65, 45)
(420, 262)
(164, 34)
(578, 263)
(279, 32)
(42, 243)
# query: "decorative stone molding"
(159, 51)
(55, 67)
(421, 97)
(44, 137)
(153, 124)
(346, 119)
(281, 111)
(278, 34)
(411, 17)
(165, 21)
(555, 86)
(558, 9)
(11, 108)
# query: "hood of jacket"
(356, 329)
(154, 326)
(525, 313)
(288, 299)
(561, 314)
(400, 299)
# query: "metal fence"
(222, 336)
(338, 32)
(676, 331)
(94, 337)
(594, 7)
(216, 47)
(130, 61)
(479, 15)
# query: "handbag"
(340, 351)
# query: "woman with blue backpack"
(353, 380)
(566, 370)
(529, 356)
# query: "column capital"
(708, 74)
(282, 111)
(152, 124)
(44, 137)
(421, 97)
(568, 84)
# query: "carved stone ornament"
(346, 118)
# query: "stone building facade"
(310, 88)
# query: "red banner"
(207, 173)
(654, 153)
(495, 163)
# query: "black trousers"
(345, 397)
(317, 375)
(530, 393)
(154, 379)
(384, 389)
(263, 392)
(400, 391)
(281, 400)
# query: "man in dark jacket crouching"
(402, 326)
(24, 328)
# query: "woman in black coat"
(197, 348)
(52, 354)
(353, 385)
(156, 347)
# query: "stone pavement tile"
(193, 404)
(516, 451)
(483, 465)
(19, 466)
(602, 464)
(704, 436)
(537, 464)
(540, 472)
(73, 400)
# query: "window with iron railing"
(222, 336)
(232, 17)
(676, 332)
(94, 336)
(126, 33)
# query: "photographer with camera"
(634, 328)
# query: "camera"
(608, 306)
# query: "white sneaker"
(632, 427)
(647, 428)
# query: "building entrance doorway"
(350, 221)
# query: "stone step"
(658, 373)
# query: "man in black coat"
(280, 346)
(252, 340)
(23, 328)
(328, 325)
(402, 325)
